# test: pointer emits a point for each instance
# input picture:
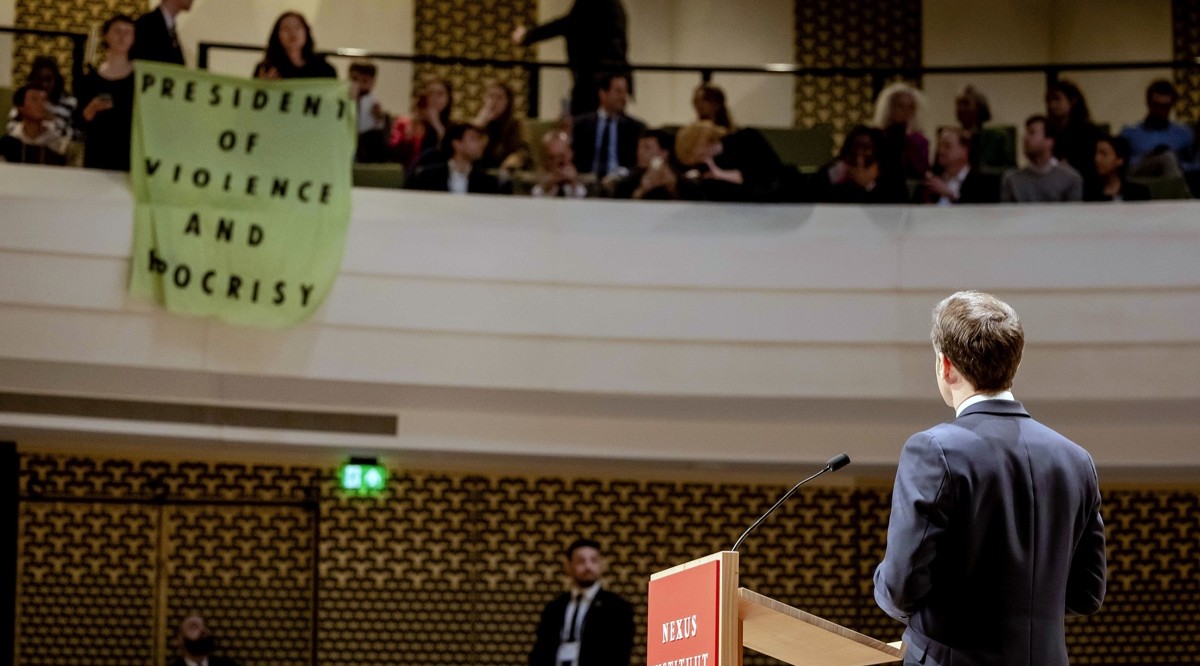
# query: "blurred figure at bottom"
(197, 644)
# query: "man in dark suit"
(597, 42)
(956, 180)
(995, 533)
(154, 36)
(607, 139)
(587, 626)
(196, 645)
(459, 174)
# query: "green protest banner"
(242, 192)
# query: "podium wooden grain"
(792, 635)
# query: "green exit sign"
(364, 477)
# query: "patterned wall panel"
(454, 568)
(473, 29)
(67, 15)
(1186, 26)
(850, 33)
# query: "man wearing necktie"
(155, 37)
(587, 626)
(606, 140)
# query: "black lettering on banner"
(148, 81)
(279, 187)
(225, 229)
(152, 166)
(261, 98)
(302, 193)
(235, 283)
(255, 237)
(341, 109)
(189, 91)
(204, 282)
(227, 140)
(193, 225)
(326, 190)
(312, 105)
(237, 97)
(168, 85)
(200, 177)
(285, 102)
(252, 185)
(279, 297)
(305, 292)
(157, 265)
(214, 94)
(185, 272)
(254, 294)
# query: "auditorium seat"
(1167, 187)
(997, 148)
(388, 175)
(6, 94)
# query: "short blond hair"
(982, 336)
(691, 139)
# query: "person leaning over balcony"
(954, 178)
(291, 52)
(1109, 182)
(155, 36)
(1045, 179)
(35, 139)
(905, 150)
(45, 74)
(507, 146)
(460, 174)
(560, 178)
(106, 99)
(1074, 134)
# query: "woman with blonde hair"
(724, 166)
(898, 113)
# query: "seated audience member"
(720, 166)
(1045, 179)
(417, 139)
(654, 177)
(1074, 134)
(855, 176)
(507, 147)
(459, 174)
(905, 149)
(561, 178)
(372, 121)
(709, 102)
(605, 141)
(106, 100)
(36, 138)
(45, 74)
(290, 52)
(971, 109)
(990, 149)
(197, 645)
(1108, 182)
(953, 180)
(1162, 144)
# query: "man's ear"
(946, 368)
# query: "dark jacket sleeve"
(559, 27)
(1089, 566)
(545, 645)
(921, 506)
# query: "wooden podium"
(698, 616)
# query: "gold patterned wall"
(850, 33)
(66, 15)
(1186, 28)
(472, 29)
(455, 568)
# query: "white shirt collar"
(167, 17)
(980, 397)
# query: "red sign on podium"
(684, 617)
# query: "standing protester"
(156, 38)
(106, 99)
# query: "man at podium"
(587, 626)
(995, 532)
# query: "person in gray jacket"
(995, 532)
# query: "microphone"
(832, 465)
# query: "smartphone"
(104, 97)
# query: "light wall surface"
(672, 334)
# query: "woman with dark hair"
(416, 139)
(106, 99)
(856, 175)
(507, 147)
(1071, 125)
(709, 102)
(45, 75)
(1111, 166)
(290, 52)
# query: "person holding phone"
(106, 99)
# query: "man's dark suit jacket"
(152, 40)
(606, 638)
(977, 188)
(212, 661)
(583, 141)
(436, 178)
(595, 31)
(995, 535)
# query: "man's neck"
(32, 129)
(1156, 123)
(459, 164)
(952, 172)
(1042, 162)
